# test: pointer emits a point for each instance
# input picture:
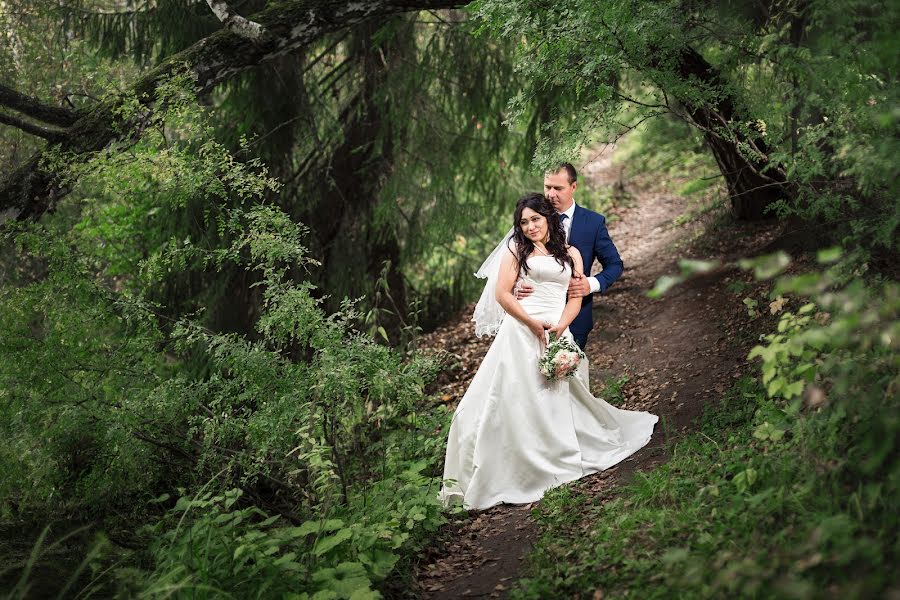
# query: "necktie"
(562, 219)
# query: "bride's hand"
(556, 330)
(539, 328)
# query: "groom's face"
(558, 190)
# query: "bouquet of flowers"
(561, 359)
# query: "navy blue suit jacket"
(590, 237)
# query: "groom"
(586, 230)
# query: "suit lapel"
(577, 236)
(575, 230)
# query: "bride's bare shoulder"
(510, 257)
(576, 256)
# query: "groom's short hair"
(571, 173)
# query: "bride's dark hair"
(556, 244)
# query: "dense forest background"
(225, 225)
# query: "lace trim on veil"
(488, 315)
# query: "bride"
(515, 434)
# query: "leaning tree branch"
(235, 22)
(33, 189)
(52, 135)
(34, 108)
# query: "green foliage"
(206, 545)
(843, 125)
(810, 85)
(388, 135)
(667, 149)
(613, 390)
(786, 490)
(76, 374)
(612, 62)
(305, 417)
(450, 192)
(334, 435)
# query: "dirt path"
(671, 356)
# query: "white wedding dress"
(515, 434)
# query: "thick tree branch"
(31, 190)
(48, 134)
(235, 22)
(36, 109)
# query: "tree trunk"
(354, 244)
(753, 182)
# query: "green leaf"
(332, 525)
(768, 266)
(767, 431)
(315, 527)
(744, 480)
(756, 351)
(769, 371)
(829, 255)
(232, 496)
(775, 386)
(663, 285)
(380, 562)
(347, 579)
(794, 389)
(286, 558)
(690, 266)
(809, 307)
(325, 544)
(269, 521)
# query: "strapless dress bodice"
(550, 281)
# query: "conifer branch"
(242, 26)
(34, 108)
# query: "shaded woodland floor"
(672, 356)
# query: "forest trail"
(671, 356)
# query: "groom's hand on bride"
(579, 285)
(522, 289)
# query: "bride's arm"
(573, 304)
(506, 278)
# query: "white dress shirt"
(567, 225)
